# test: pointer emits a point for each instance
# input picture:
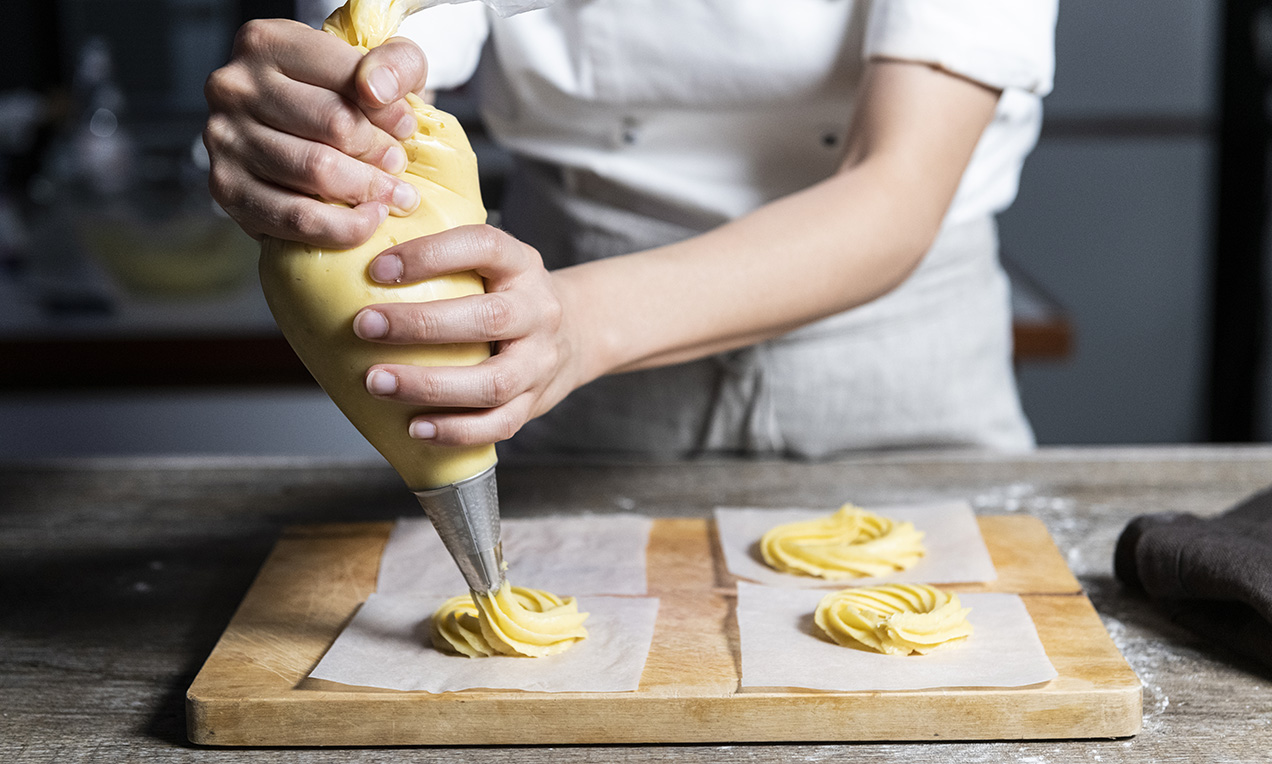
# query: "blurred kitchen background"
(131, 322)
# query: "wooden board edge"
(852, 717)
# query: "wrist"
(592, 338)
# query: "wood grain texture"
(118, 576)
(253, 690)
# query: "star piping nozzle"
(466, 516)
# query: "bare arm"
(828, 248)
(833, 246)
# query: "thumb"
(388, 72)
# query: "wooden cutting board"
(254, 690)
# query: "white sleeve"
(1001, 43)
(451, 36)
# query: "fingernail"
(405, 197)
(394, 160)
(381, 211)
(421, 430)
(406, 127)
(370, 324)
(386, 269)
(384, 85)
(380, 382)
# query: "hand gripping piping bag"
(314, 293)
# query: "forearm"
(833, 246)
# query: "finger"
(491, 383)
(320, 59)
(318, 114)
(486, 385)
(473, 428)
(318, 169)
(490, 252)
(265, 209)
(384, 77)
(301, 53)
(390, 71)
(486, 317)
(267, 83)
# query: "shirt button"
(628, 132)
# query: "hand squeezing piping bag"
(314, 294)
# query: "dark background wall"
(1115, 219)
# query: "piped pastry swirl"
(512, 621)
(894, 619)
(852, 543)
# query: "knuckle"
(456, 432)
(351, 233)
(496, 316)
(348, 232)
(525, 258)
(217, 84)
(505, 425)
(222, 188)
(422, 325)
(300, 219)
(379, 186)
(420, 255)
(228, 87)
(253, 37)
(400, 111)
(387, 118)
(553, 313)
(338, 124)
(217, 132)
(319, 164)
(348, 130)
(501, 386)
(430, 388)
(358, 140)
(485, 238)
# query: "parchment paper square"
(956, 551)
(387, 645)
(783, 647)
(585, 554)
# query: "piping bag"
(314, 294)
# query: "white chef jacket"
(715, 107)
(723, 105)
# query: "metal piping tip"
(466, 516)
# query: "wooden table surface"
(117, 577)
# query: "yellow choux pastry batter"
(852, 543)
(315, 293)
(894, 619)
(513, 621)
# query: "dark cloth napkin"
(1212, 575)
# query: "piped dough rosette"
(894, 619)
(852, 543)
(513, 621)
